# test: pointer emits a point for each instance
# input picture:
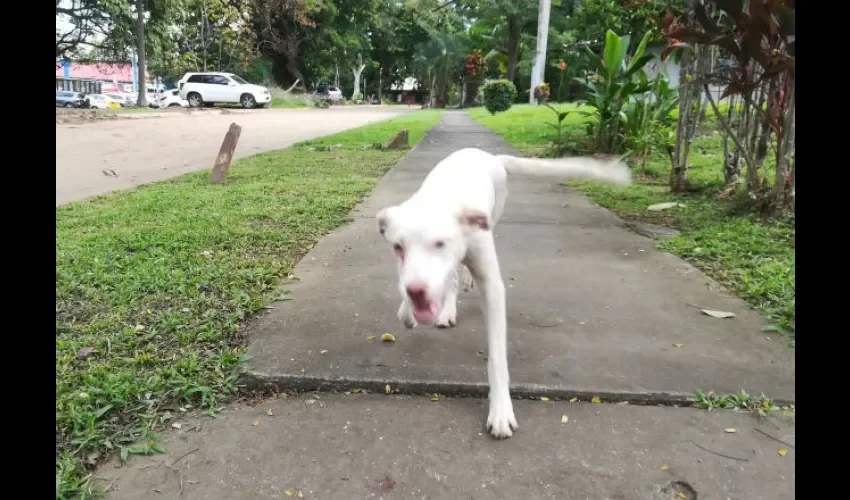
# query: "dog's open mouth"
(424, 311)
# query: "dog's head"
(428, 244)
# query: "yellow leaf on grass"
(765, 403)
(370, 337)
(564, 419)
(782, 452)
(388, 337)
(543, 398)
(388, 389)
(573, 400)
(678, 345)
(731, 430)
(665, 467)
(595, 399)
(256, 422)
(435, 397)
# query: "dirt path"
(142, 149)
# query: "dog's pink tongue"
(425, 314)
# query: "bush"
(498, 95)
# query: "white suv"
(207, 88)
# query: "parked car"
(103, 101)
(68, 99)
(171, 99)
(327, 93)
(208, 88)
(125, 98)
(334, 94)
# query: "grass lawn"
(752, 257)
(153, 284)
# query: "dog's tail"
(613, 171)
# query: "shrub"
(498, 95)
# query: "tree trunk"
(357, 70)
(539, 67)
(140, 43)
(780, 196)
(679, 166)
(513, 44)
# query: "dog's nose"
(416, 290)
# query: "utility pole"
(538, 68)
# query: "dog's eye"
(439, 244)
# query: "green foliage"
(499, 95)
(648, 118)
(616, 80)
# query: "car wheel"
(69, 105)
(195, 100)
(248, 101)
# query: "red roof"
(108, 72)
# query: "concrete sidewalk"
(593, 308)
(357, 446)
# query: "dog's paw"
(405, 315)
(501, 421)
(447, 317)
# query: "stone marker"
(225, 154)
(398, 141)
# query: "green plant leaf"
(611, 54)
(641, 48)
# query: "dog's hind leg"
(448, 313)
(466, 281)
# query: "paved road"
(143, 150)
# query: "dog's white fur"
(443, 234)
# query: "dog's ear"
(471, 219)
(383, 219)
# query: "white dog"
(445, 229)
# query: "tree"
(540, 55)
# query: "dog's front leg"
(484, 267)
(405, 314)
(448, 313)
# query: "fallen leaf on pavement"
(388, 337)
(564, 419)
(595, 399)
(356, 391)
(681, 495)
(665, 467)
(256, 422)
(176, 425)
(289, 493)
(717, 314)
(388, 389)
(543, 398)
(270, 413)
(435, 397)
(573, 400)
(731, 430)
(782, 452)
(370, 337)
(323, 351)
(678, 345)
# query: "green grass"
(153, 284)
(753, 257)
